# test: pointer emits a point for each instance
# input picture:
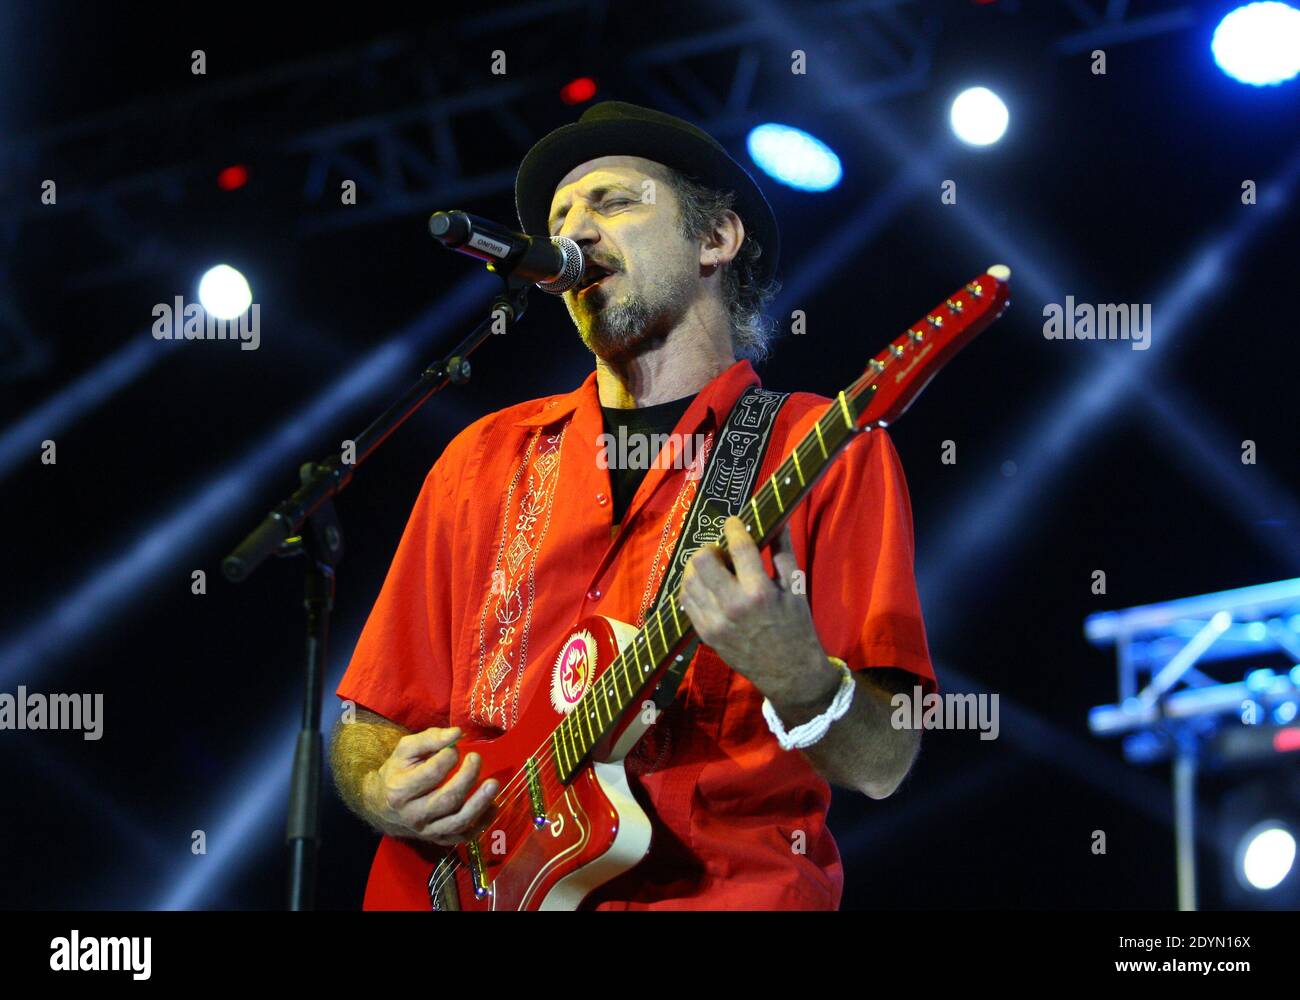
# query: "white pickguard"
(630, 843)
(633, 838)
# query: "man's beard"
(629, 323)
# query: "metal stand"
(323, 546)
(1186, 716)
(1184, 780)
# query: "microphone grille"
(572, 270)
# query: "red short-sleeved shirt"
(509, 545)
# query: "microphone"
(554, 264)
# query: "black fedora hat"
(616, 128)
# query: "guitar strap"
(730, 473)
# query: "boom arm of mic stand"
(331, 475)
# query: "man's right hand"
(407, 796)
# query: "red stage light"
(1285, 740)
(232, 177)
(579, 90)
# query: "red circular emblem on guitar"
(572, 672)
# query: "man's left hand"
(758, 625)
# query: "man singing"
(525, 525)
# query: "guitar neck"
(909, 362)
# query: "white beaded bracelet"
(814, 729)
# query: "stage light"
(1256, 839)
(1259, 43)
(579, 90)
(1265, 856)
(224, 292)
(232, 177)
(794, 157)
(979, 117)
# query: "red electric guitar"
(564, 820)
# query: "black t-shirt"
(649, 420)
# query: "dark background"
(1109, 188)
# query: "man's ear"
(725, 241)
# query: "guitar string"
(511, 790)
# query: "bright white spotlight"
(224, 292)
(1259, 43)
(794, 157)
(979, 117)
(1266, 856)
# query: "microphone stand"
(281, 533)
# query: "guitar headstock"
(903, 369)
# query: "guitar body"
(594, 829)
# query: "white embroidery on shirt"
(491, 704)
